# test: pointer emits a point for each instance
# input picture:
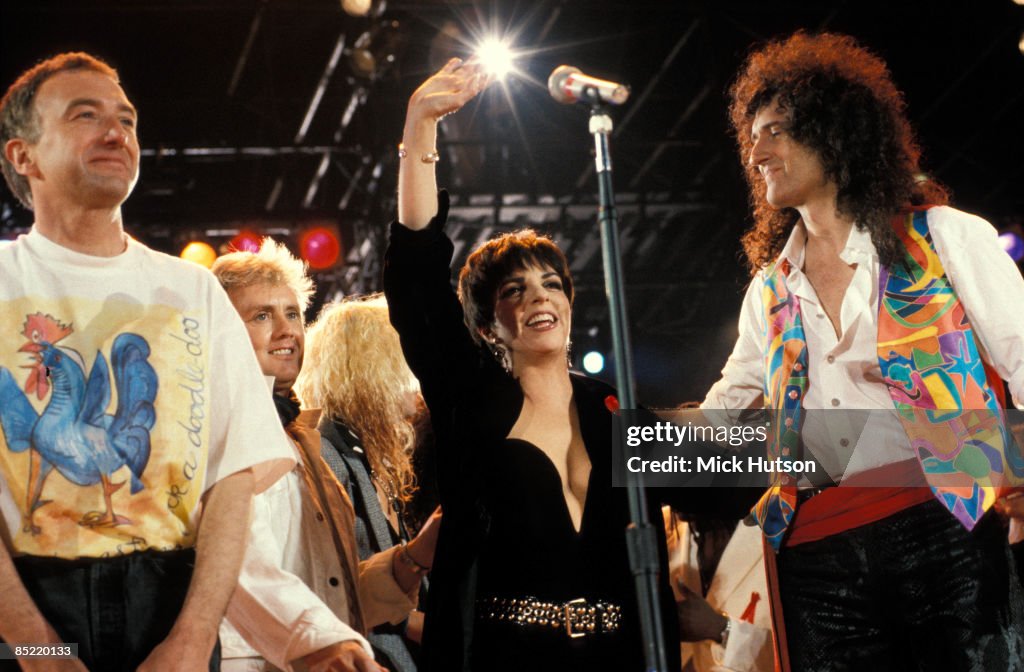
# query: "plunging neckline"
(553, 470)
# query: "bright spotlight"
(199, 252)
(496, 57)
(593, 362)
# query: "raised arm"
(446, 91)
(417, 278)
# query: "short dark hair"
(494, 261)
(18, 115)
(845, 107)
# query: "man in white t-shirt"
(134, 423)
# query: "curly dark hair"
(844, 106)
(494, 261)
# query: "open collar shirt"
(843, 371)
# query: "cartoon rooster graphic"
(74, 434)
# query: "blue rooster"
(74, 434)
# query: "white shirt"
(844, 371)
(291, 598)
(197, 391)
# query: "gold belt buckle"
(568, 618)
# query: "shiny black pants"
(915, 591)
(116, 609)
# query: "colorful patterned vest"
(948, 401)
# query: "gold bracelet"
(406, 557)
(429, 157)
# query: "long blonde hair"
(355, 371)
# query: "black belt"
(804, 494)
(576, 618)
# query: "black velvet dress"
(506, 530)
(532, 549)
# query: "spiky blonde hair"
(273, 265)
(355, 371)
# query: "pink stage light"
(320, 247)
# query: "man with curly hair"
(870, 293)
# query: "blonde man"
(303, 596)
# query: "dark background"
(223, 86)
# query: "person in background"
(371, 401)
(304, 597)
(717, 574)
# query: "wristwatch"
(726, 630)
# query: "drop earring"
(501, 355)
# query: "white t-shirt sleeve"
(245, 432)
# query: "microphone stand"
(641, 540)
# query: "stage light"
(319, 247)
(593, 362)
(362, 58)
(1020, 45)
(246, 241)
(1013, 245)
(496, 57)
(200, 253)
(376, 49)
(356, 7)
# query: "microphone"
(568, 85)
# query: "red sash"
(850, 506)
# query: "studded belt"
(576, 618)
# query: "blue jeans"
(914, 591)
(117, 609)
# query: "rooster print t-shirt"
(128, 386)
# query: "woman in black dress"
(531, 571)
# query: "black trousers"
(915, 591)
(116, 609)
